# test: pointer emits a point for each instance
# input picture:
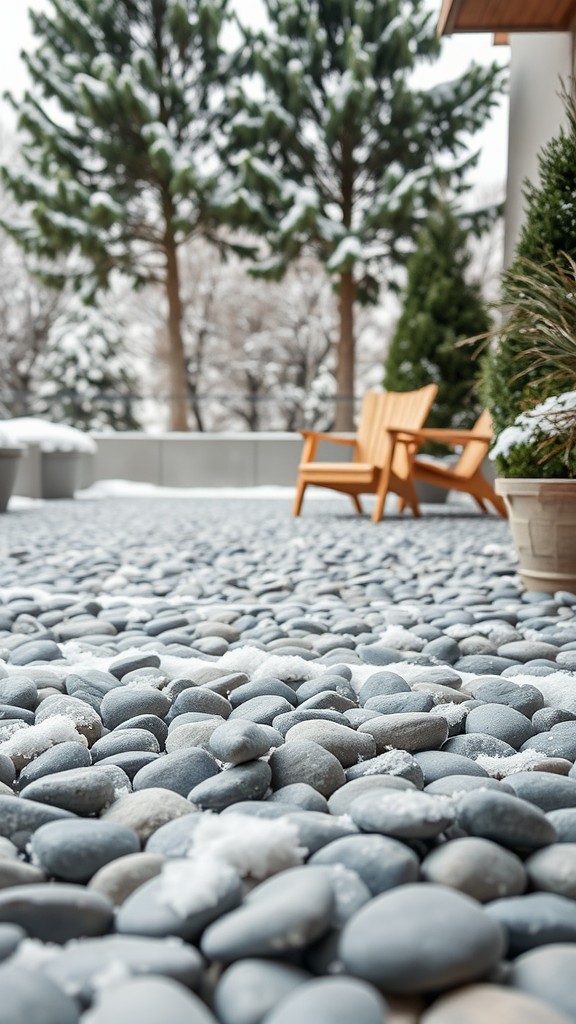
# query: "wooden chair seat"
(382, 451)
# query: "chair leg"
(481, 504)
(357, 503)
(401, 505)
(299, 497)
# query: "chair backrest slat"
(397, 409)
(474, 451)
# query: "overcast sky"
(459, 51)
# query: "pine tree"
(441, 307)
(83, 376)
(511, 384)
(341, 153)
(119, 126)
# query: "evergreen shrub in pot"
(535, 454)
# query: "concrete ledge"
(203, 460)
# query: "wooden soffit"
(507, 16)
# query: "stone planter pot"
(60, 474)
(9, 460)
(542, 517)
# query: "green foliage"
(339, 152)
(441, 307)
(512, 381)
(117, 129)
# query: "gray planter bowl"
(9, 460)
(60, 474)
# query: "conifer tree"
(339, 152)
(83, 377)
(118, 127)
(441, 307)
(511, 383)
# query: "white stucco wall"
(538, 62)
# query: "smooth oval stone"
(547, 973)
(332, 683)
(123, 703)
(129, 761)
(151, 723)
(399, 703)
(331, 1001)
(559, 742)
(73, 851)
(28, 997)
(564, 822)
(535, 919)
(179, 771)
(528, 650)
(123, 741)
(182, 900)
(262, 710)
(35, 651)
(402, 815)
(90, 682)
(484, 664)
(356, 716)
(477, 1004)
(250, 988)
(382, 863)
(330, 700)
(345, 743)
(284, 913)
(59, 758)
(341, 801)
(239, 741)
(308, 762)
(394, 941)
(453, 785)
(175, 838)
(191, 734)
(548, 791)
(302, 795)
(119, 878)
(147, 810)
(248, 781)
(505, 819)
(86, 720)
(544, 719)
(10, 938)
(505, 723)
(283, 723)
(263, 688)
(554, 869)
(7, 770)
(78, 966)
(80, 790)
(477, 867)
(20, 818)
(381, 684)
(196, 698)
(16, 872)
(316, 830)
(56, 912)
(149, 1000)
(19, 691)
(437, 764)
(120, 666)
(410, 731)
(393, 764)
(527, 699)
(476, 744)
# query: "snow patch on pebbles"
(188, 887)
(500, 767)
(558, 688)
(32, 740)
(256, 847)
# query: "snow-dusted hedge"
(540, 442)
(50, 437)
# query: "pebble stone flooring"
(256, 770)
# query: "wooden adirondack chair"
(467, 474)
(383, 452)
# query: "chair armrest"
(335, 438)
(446, 435)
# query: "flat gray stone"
(73, 851)
(381, 862)
(19, 819)
(308, 762)
(329, 1000)
(248, 781)
(119, 878)
(148, 1000)
(535, 919)
(554, 869)
(421, 938)
(239, 741)
(28, 996)
(147, 810)
(477, 867)
(251, 988)
(410, 731)
(504, 819)
(548, 974)
(79, 790)
(347, 744)
(179, 771)
(56, 912)
(402, 815)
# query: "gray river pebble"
(355, 698)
